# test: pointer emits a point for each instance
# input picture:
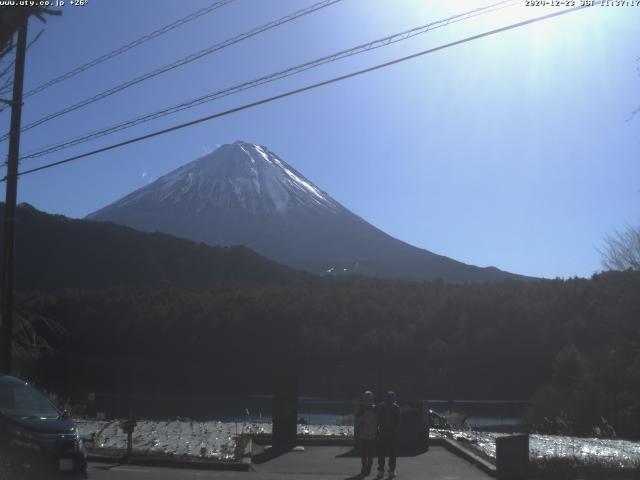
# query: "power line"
(305, 89)
(397, 37)
(179, 63)
(8, 84)
(128, 46)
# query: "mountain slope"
(243, 194)
(54, 252)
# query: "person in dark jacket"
(366, 425)
(388, 413)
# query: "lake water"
(499, 415)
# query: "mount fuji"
(244, 194)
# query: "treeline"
(572, 346)
(54, 252)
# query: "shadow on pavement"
(406, 451)
(108, 467)
(360, 476)
(351, 453)
(269, 454)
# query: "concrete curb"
(457, 449)
(244, 465)
(171, 463)
(319, 441)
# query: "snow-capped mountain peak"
(244, 194)
(237, 176)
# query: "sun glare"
(507, 14)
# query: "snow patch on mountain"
(241, 176)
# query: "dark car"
(36, 439)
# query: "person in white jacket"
(365, 429)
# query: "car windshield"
(25, 401)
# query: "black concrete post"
(129, 443)
(512, 457)
(285, 412)
(426, 421)
(127, 427)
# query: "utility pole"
(6, 331)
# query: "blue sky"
(513, 151)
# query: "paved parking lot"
(314, 463)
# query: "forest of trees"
(126, 311)
(53, 252)
(572, 346)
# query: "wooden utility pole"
(6, 331)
